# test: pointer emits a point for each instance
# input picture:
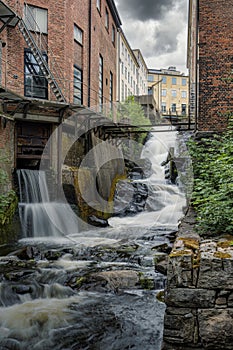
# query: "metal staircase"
(37, 53)
(36, 42)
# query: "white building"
(132, 70)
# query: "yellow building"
(170, 89)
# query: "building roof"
(114, 12)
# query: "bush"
(213, 182)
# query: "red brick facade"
(62, 15)
(215, 64)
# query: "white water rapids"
(43, 304)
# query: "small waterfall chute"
(39, 216)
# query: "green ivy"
(213, 182)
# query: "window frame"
(101, 81)
(34, 19)
(79, 31)
(174, 81)
(106, 19)
(174, 93)
(31, 66)
(79, 88)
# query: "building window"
(111, 89)
(113, 35)
(173, 107)
(98, 5)
(126, 92)
(35, 83)
(174, 93)
(78, 85)
(150, 91)
(122, 91)
(164, 92)
(174, 81)
(184, 81)
(183, 109)
(163, 107)
(101, 78)
(164, 80)
(36, 19)
(122, 49)
(125, 72)
(128, 77)
(122, 68)
(183, 94)
(78, 34)
(150, 78)
(106, 19)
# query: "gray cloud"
(158, 28)
(144, 10)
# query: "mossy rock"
(222, 255)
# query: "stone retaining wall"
(199, 294)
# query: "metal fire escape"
(35, 42)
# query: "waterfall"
(39, 215)
(166, 202)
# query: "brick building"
(54, 57)
(210, 62)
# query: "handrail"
(41, 42)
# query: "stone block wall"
(199, 295)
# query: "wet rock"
(107, 281)
(28, 253)
(95, 221)
(11, 344)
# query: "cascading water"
(165, 202)
(93, 290)
(38, 215)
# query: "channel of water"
(96, 289)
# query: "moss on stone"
(160, 296)
(176, 253)
(222, 255)
(190, 243)
(225, 244)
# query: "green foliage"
(213, 182)
(132, 113)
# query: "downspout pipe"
(197, 67)
(89, 52)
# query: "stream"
(97, 289)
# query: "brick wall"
(215, 63)
(62, 15)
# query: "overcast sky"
(158, 28)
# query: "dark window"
(183, 109)
(101, 82)
(113, 35)
(174, 81)
(35, 83)
(173, 107)
(78, 85)
(106, 19)
(111, 89)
